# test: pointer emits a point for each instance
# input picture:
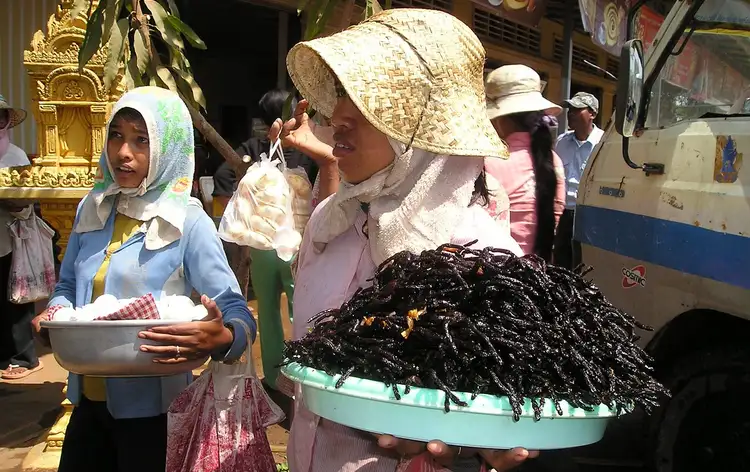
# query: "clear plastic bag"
(260, 213)
(301, 191)
(32, 275)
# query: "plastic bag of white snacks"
(260, 213)
(301, 190)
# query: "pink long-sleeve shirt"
(516, 175)
(325, 280)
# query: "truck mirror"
(629, 87)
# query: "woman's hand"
(41, 333)
(501, 461)
(298, 134)
(188, 341)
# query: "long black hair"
(540, 125)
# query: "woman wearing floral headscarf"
(138, 232)
(405, 97)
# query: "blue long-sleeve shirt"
(575, 155)
(196, 261)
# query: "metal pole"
(567, 60)
(283, 46)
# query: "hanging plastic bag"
(260, 214)
(301, 191)
(32, 274)
(218, 423)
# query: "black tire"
(705, 426)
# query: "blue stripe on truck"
(679, 246)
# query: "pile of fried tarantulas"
(485, 322)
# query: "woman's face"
(128, 150)
(361, 150)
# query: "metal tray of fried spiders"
(488, 421)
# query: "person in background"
(533, 177)
(139, 232)
(18, 357)
(269, 275)
(574, 148)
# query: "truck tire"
(705, 426)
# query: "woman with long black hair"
(533, 177)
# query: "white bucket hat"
(516, 89)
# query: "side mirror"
(629, 87)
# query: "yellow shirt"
(94, 388)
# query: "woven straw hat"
(16, 115)
(516, 89)
(416, 75)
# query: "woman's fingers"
(401, 446)
(503, 461)
(211, 307)
(301, 108)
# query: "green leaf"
(165, 76)
(286, 112)
(93, 36)
(142, 54)
(388, 4)
(301, 6)
(173, 8)
(313, 14)
(111, 15)
(168, 33)
(116, 51)
(79, 6)
(133, 77)
(323, 20)
(186, 31)
(197, 92)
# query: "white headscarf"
(415, 203)
(162, 198)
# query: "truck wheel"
(705, 426)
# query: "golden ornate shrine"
(71, 108)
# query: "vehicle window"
(710, 73)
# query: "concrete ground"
(29, 407)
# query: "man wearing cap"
(18, 356)
(574, 148)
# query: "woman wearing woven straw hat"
(18, 357)
(404, 94)
(533, 177)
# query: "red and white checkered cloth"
(143, 308)
(52, 310)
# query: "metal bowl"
(110, 348)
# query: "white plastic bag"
(32, 274)
(260, 214)
(301, 191)
(218, 423)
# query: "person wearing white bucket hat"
(534, 176)
(404, 94)
(18, 358)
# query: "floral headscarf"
(162, 198)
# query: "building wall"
(19, 20)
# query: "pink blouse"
(324, 280)
(516, 175)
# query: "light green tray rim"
(430, 398)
